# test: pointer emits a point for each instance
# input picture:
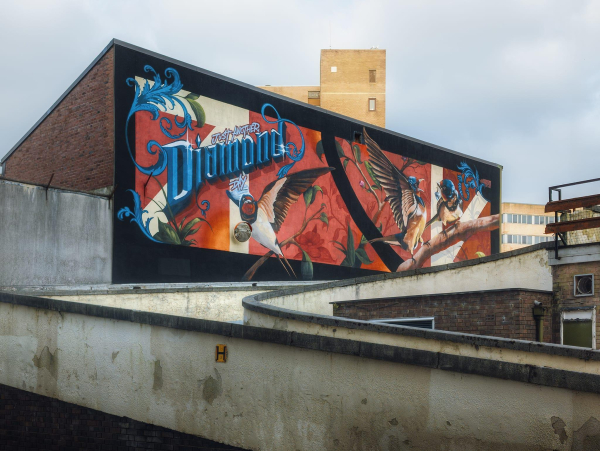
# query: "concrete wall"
(527, 268)
(272, 394)
(62, 240)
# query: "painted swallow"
(449, 205)
(402, 193)
(266, 215)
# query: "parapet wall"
(283, 389)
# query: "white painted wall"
(276, 397)
(528, 270)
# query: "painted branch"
(461, 232)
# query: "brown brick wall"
(499, 313)
(76, 141)
(564, 297)
(34, 422)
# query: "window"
(372, 76)
(371, 104)
(578, 327)
(583, 285)
(333, 68)
(422, 323)
(314, 94)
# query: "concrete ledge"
(490, 368)
(418, 296)
(108, 289)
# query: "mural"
(429, 214)
(202, 167)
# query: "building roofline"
(320, 110)
(60, 99)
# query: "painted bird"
(402, 193)
(449, 205)
(266, 215)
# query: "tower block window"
(372, 76)
(372, 104)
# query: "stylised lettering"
(262, 149)
(248, 155)
(176, 151)
(210, 163)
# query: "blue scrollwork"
(291, 149)
(137, 216)
(161, 95)
(467, 180)
(204, 206)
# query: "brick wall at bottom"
(34, 422)
(499, 313)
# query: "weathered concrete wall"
(65, 239)
(272, 396)
(523, 268)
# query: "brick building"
(352, 83)
(67, 153)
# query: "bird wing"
(280, 194)
(399, 194)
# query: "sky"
(512, 82)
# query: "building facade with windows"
(352, 83)
(524, 225)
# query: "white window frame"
(582, 313)
(406, 320)
(374, 104)
(575, 285)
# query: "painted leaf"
(309, 196)
(372, 174)
(356, 151)
(320, 151)
(192, 96)
(187, 229)
(340, 150)
(480, 254)
(306, 266)
(198, 112)
(324, 218)
(361, 254)
(346, 163)
(167, 233)
(351, 252)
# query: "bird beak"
(421, 180)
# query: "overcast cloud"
(513, 82)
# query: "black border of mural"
(137, 259)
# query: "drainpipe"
(538, 316)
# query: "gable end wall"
(75, 142)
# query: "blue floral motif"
(291, 149)
(152, 99)
(136, 216)
(468, 179)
